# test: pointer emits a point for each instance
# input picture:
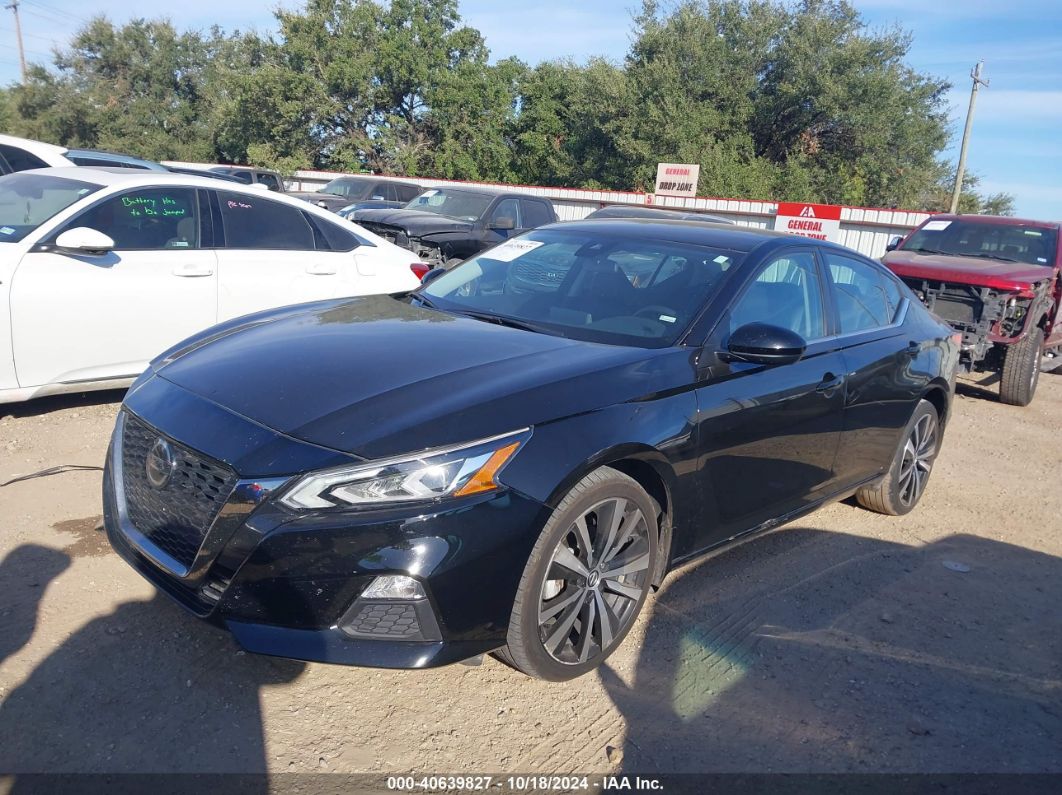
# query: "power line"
(54, 10)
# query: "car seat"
(185, 237)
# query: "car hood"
(414, 222)
(966, 270)
(377, 377)
(317, 196)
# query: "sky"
(1016, 145)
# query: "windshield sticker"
(511, 249)
(1041, 259)
(1033, 232)
(667, 319)
(6, 230)
(936, 226)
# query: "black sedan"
(413, 480)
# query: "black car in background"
(408, 481)
(444, 226)
(351, 193)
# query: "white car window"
(146, 219)
(251, 222)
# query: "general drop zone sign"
(818, 221)
(677, 179)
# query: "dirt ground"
(846, 642)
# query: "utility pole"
(13, 5)
(977, 83)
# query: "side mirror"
(431, 275)
(762, 343)
(503, 222)
(894, 243)
(83, 240)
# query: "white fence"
(864, 229)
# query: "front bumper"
(283, 583)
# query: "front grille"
(389, 233)
(176, 516)
(540, 275)
(955, 303)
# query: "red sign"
(818, 221)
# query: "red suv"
(996, 280)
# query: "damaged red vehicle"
(997, 281)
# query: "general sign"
(819, 221)
(677, 179)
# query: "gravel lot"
(844, 642)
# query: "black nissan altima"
(511, 457)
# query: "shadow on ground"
(145, 688)
(46, 405)
(811, 651)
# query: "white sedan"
(103, 269)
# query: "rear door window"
(535, 214)
(251, 222)
(20, 159)
(866, 298)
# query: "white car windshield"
(27, 200)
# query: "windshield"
(351, 188)
(588, 286)
(1034, 245)
(452, 203)
(28, 200)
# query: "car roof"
(641, 211)
(103, 154)
(733, 237)
(728, 236)
(39, 148)
(375, 178)
(1001, 220)
(110, 176)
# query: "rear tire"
(905, 482)
(586, 580)
(1021, 370)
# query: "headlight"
(448, 472)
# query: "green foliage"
(774, 100)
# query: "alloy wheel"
(918, 455)
(595, 581)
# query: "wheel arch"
(938, 394)
(653, 472)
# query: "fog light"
(393, 586)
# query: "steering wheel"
(654, 311)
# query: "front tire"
(586, 580)
(905, 482)
(1021, 369)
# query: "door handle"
(829, 383)
(321, 270)
(192, 271)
